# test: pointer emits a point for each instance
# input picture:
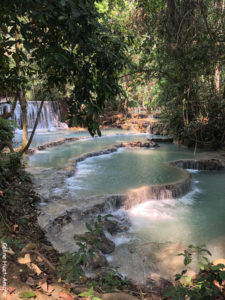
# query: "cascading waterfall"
(49, 118)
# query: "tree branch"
(10, 114)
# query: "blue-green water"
(121, 171)
(160, 229)
(60, 155)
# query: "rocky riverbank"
(33, 264)
(141, 122)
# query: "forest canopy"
(61, 45)
(156, 54)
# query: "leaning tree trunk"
(24, 149)
(23, 105)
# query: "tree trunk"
(217, 78)
(23, 105)
(24, 149)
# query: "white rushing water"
(49, 118)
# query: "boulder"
(106, 246)
(97, 261)
(113, 227)
(158, 285)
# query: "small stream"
(158, 229)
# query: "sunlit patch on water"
(154, 209)
(193, 171)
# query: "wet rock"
(113, 227)
(97, 153)
(158, 285)
(114, 202)
(62, 219)
(57, 143)
(154, 144)
(106, 246)
(201, 164)
(139, 144)
(162, 140)
(97, 261)
(147, 145)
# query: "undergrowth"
(207, 285)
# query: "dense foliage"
(63, 45)
(183, 49)
(207, 285)
(79, 50)
(6, 130)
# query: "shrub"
(208, 283)
(7, 128)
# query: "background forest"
(166, 55)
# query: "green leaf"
(27, 295)
(201, 265)
(69, 277)
(88, 226)
(99, 218)
(89, 293)
(187, 279)
(222, 275)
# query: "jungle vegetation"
(156, 54)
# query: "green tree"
(183, 50)
(64, 44)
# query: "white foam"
(193, 171)
(189, 198)
(41, 151)
(57, 191)
(109, 258)
(121, 239)
(43, 203)
(154, 209)
(74, 187)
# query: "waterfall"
(49, 118)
